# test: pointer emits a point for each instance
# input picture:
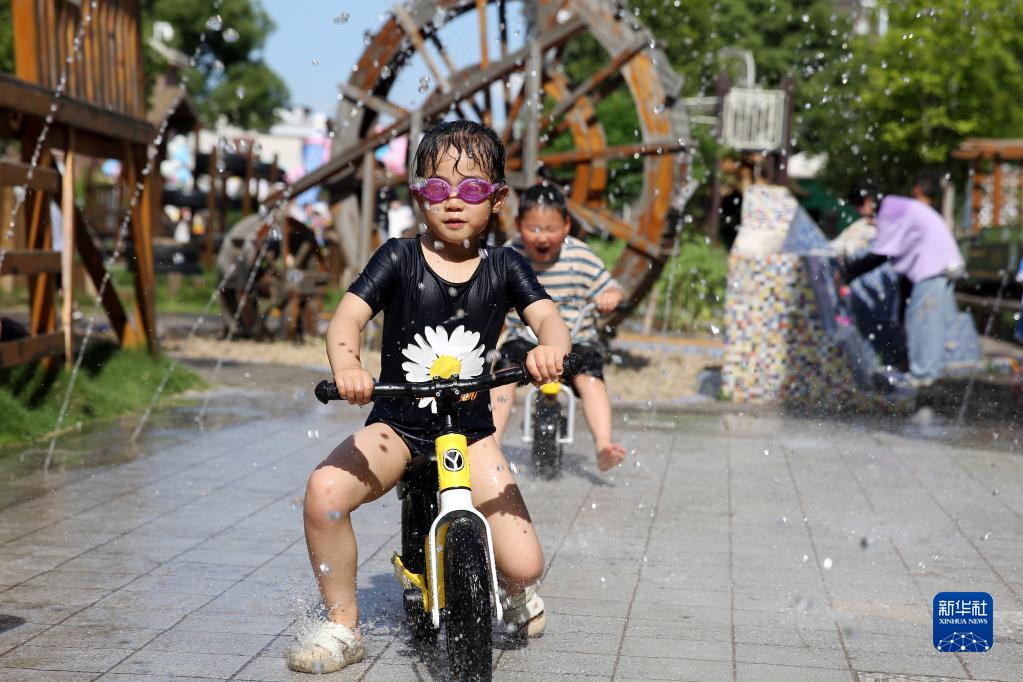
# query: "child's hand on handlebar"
(545, 364)
(609, 299)
(354, 385)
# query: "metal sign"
(754, 119)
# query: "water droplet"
(231, 36)
(333, 515)
(767, 453)
(424, 84)
(828, 563)
(593, 506)
(324, 568)
(342, 18)
(316, 62)
(215, 23)
(986, 536)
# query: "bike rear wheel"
(546, 434)
(468, 600)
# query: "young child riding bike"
(575, 277)
(444, 295)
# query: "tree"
(894, 104)
(229, 78)
(797, 37)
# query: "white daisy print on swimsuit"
(440, 355)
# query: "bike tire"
(415, 524)
(546, 448)
(468, 601)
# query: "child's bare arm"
(608, 299)
(343, 349)
(544, 362)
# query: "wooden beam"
(30, 262)
(621, 151)
(31, 348)
(378, 104)
(610, 69)
(534, 104)
(408, 25)
(600, 220)
(92, 260)
(20, 97)
(13, 173)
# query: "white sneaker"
(326, 649)
(524, 612)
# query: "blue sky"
(306, 31)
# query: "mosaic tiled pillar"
(776, 349)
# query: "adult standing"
(915, 239)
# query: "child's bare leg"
(597, 410)
(495, 494)
(501, 400)
(361, 469)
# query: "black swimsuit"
(432, 326)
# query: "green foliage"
(785, 36)
(691, 289)
(226, 67)
(945, 70)
(6, 38)
(111, 382)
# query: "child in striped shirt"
(574, 276)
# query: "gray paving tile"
(111, 636)
(644, 668)
(59, 658)
(184, 641)
(170, 663)
(719, 650)
(556, 662)
(32, 674)
(760, 672)
(791, 656)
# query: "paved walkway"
(728, 548)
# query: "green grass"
(112, 382)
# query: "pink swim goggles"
(470, 190)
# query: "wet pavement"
(731, 546)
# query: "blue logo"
(964, 621)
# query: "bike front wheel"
(468, 600)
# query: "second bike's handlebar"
(326, 390)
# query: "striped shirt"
(573, 279)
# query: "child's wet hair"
(468, 139)
(543, 195)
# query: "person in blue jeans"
(921, 248)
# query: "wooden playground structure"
(77, 92)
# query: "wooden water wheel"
(422, 47)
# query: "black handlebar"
(326, 390)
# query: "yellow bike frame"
(455, 492)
